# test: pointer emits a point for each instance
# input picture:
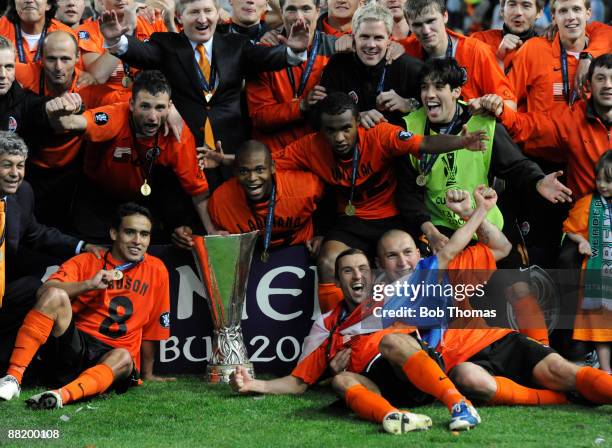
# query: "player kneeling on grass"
(92, 317)
(375, 365)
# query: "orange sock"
(595, 385)
(33, 333)
(367, 404)
(92, 381)
(427, 375)
(329, 296)
(530, 319)
(510, 393)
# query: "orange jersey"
(577, 132)
(7, 29)
(484, 74)
(536, 72)
(92, 41)
(320, 346)
(461, 342)
(375, 180)
(297, 194)
(130, 310)
(274, 106)
(114, 161)
(61, 149)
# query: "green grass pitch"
(191, 413)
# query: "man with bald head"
(244, 202)
(53, 167)
(492, 365)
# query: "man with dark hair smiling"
(88, 344)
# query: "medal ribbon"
(270, 218)
(124, 267)
(427, 161)
(449, 48)
(21, 51)
(307, 71)
(151, 155)
(356, 157)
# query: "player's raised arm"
(437, 144)
(241, 382)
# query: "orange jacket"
(274, 110)
(577, 131)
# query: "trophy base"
(220, 373)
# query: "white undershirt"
(32, 40)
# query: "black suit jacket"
(22, 229)
(234, 58)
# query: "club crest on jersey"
(12, 124)
(354, 96)
(83, 35)
(164, 320)
(101, 118)
(404, 135)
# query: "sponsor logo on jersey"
(12, 124)
(354, 96)
(101, 118)
(164, 320)
(404, 135)
(121, 151)
(83, 35)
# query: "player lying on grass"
(93, 315)
(495, 365)
(371, 357)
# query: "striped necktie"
(204, 64)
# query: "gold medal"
(126, 81)
(350, 209)
(145, 189)
(117, 274)
(208, 96)
(421, 180)
(265, 256)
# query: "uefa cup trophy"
(223, 263)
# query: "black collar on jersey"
(524, 36)
(253, 32)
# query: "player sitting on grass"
(93, 315)
(496, 366)
(370, 356)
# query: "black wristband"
(585, 55)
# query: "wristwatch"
(585, 55)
